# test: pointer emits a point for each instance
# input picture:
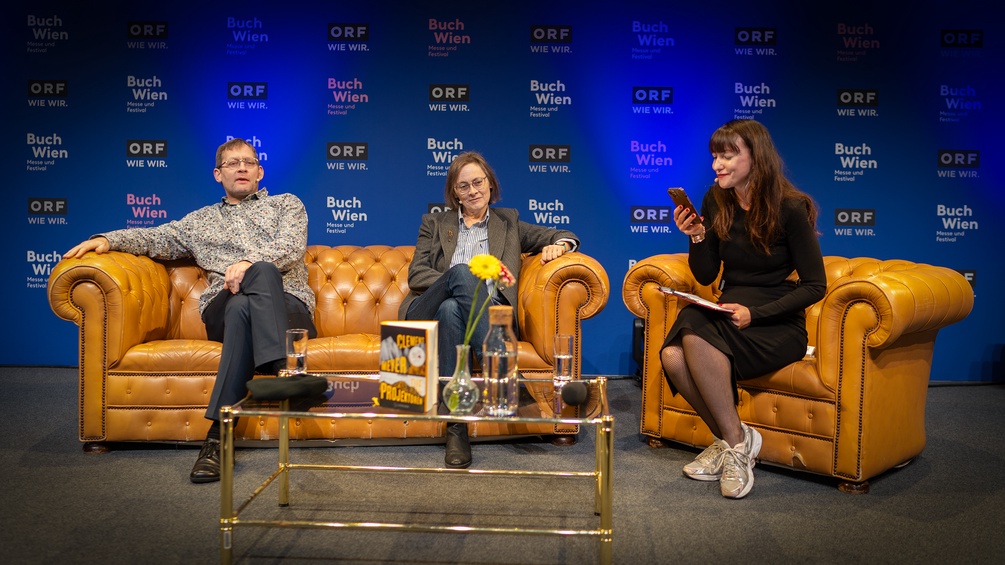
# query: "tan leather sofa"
(147, 369)
(854, 409)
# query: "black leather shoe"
(207, 466)
(458, 455)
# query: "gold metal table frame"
(602, 474)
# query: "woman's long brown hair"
(768, 186)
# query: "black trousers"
(252, 326)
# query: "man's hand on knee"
(234, 276)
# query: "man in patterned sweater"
(252, 247)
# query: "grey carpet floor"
(136, 505)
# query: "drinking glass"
(296, 351)
(563, 358)
(563, 367)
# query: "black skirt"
(764, 346)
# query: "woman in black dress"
(760, 228)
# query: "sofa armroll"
(875, 304)
(641, 292)
(905, 297)
(556, 297)
(117, 299)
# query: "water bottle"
(500, 393)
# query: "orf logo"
(248, 90)
(854, 217)
(652, 215)
(551, 34)
(146, 148)
(853, 97)
(348, 32)
(959, 159)
(147, 30)
(348, 151)
(550, 154)
(449, 93)
(47, 88)
(47, 206)
(652, 95)
(963, 38)
(755, 36)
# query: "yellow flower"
(486, 267)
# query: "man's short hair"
(231, 145)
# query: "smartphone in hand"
(680, 198)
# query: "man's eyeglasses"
(464, 187)
(234, 163)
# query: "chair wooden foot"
(848, 487)
(655, 442)
(95, 448)
(563, 439)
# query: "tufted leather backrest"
(356, 287)
(187, 283)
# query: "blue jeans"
(448, 301)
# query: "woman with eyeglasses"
(441, 283)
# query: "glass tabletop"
(354, 397)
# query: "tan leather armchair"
(851, 411)
(147, 369)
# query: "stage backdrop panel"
(587, 111)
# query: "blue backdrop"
(587, 111)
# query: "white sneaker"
(707, 466)
(751, 441)
(738, 465)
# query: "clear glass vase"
(461, 393)
(500, 396)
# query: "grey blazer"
(508, 238)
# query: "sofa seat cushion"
(344, 353)
(800, 379)
(355, 353)
(171, 356)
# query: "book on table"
(409, 371)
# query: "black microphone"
(575, 393)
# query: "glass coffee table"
(328, 407)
